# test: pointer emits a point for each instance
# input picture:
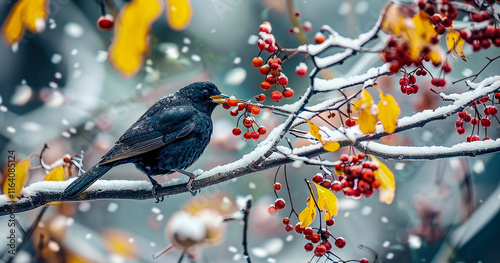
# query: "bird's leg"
(190, 182)
(156, 185)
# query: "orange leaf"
(30, 14)
(179, 13)
(57, 174)
(308, 214)
(388, 112)
(454, 42)
(131, 40)
(387, 183)
(368, 117)
(327, 202)
(16, 176)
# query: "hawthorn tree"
(418, 45)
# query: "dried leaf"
(327, 202)
(454, 42)
(16, 177)
(388, 112)
(30, 14)
(308, 214)
(131, 40)
(57, 174)
(179, 13)
(387, 183)
(367, 119)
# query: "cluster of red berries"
(274, 78)
(356, 177)
(478, 120)
(248, 111)
(408, 85)
(481, 38)
(442, 18)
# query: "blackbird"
(167, 138)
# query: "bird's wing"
(152, 131)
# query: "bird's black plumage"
(168, 137)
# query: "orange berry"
(255, 110)
(264, 70)
(257, 62)
(265, 85)
(319, 38)
(232, 102)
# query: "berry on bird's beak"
(219, 99)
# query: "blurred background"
(57, 88)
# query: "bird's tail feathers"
(85, 180)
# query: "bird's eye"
(205, 92)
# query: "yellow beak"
(219, 99)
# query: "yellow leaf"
(388, 111)
(314, 131)
(393, 22)
(387, 183)
(454, 42)
(132, 32)
(331, 146)
(367, 119)
(30, 14)
(15, 178)
(327, 202)
(57, 174)
(179, 13)
(308, 214)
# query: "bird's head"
(204, 95)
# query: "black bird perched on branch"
(167, 138)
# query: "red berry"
(286, 221)
(330, 222)
(236, 131)
(375, 184)
(314, 238)
(485, 122)
(404, 81)
(344, 157)
(486, 139)
(105, 23)
(279, 203)
(288, 93)
(262, 130)
(234, 112)
(265, 85)
(255, 135)
(340, 242)
(225, 106)
(247, 135)
(288, 228)
(276, 96)
(283, 80)
(336, 186)
(265, 27)
(467, 118)
(254, 110)
(232, 102)
(497, 95)
(309, 247)
(277, 187)
(474, 121)
(327, 244)
(261, 97)
(326, 183)
(462, 114)
(415, 88)
(474, 138)
(459, 123)
(364, 260)
(320, 250)
(350, 122)
(436, 19)
(319, 38)
(248, 122)
(271, 79)
(447, 67)
(484, 99)
(447, 22)
(257, 62)
(460, 130)
(412, 79)
(301, 72)
(298, 228)
(317, 179)
(272, 210)
(493, 110)
(307, 231)
(242, 106)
